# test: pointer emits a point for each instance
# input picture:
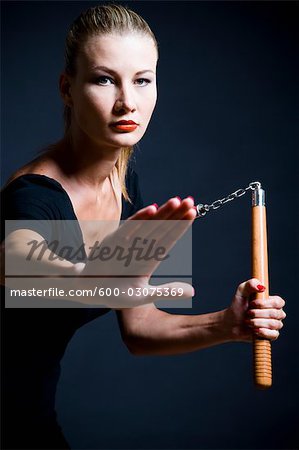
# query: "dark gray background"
(225, 117)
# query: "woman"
(109, 98)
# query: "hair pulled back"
(96, 21)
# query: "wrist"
(234, 329)
(226, 325)
(214, 328)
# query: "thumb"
(249, 287)
(244, 294)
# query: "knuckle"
(277, 325)
(276, 314)
(280, 302)
(276, 303)
(241, 286)
(256, 304)
(273, 335)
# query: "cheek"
(148, 109)
(150, 103)
(90, 105)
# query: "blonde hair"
(100, 20)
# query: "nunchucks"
(262, 365)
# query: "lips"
(125, 125)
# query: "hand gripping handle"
(262, 364)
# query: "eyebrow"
(106, 69)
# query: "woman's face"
(115, 83)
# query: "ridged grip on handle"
(262, 363)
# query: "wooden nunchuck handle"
(262, 364)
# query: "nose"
(125, 102)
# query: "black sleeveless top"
(34, 340)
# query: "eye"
(104, 80)
(142, 81)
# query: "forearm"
(35, 272)
(20, 259)
(168, 334)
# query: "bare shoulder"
(42, 165)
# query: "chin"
(126, 139)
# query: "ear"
(65, 89)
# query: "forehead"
(130, 51)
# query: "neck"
(85, 161)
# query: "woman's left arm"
(147, 330)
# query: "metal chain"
(203, 209)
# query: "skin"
(83, 163)
(113, 87)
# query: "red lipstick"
(125, 125)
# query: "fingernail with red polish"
(261, 287)
(179, 198)
(155, 205)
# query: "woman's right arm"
(26, 251)
(47, 271)
(24, 270)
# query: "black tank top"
(34, 340)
